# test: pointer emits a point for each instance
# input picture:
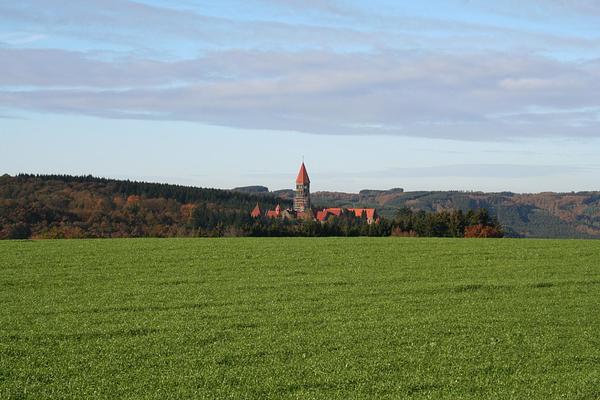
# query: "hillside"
(60, 206)
(542, 215)
(549, 215)
(52, 206)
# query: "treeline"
(179, 193)
(455, 223)
(59, 206)
(63, 206)
(347, 224)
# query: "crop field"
(327, 318)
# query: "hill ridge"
(543, 215)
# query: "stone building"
(302, 208)
(302, 195)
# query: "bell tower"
(302, 195)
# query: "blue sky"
(437, 95)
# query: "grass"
(300, 318)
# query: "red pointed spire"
(256, 212)
(302, 175)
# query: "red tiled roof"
(256, 212)
(370, 212)
(276, 213)
(302, 177)
(322, 215)
(335, 211)
(358, 212)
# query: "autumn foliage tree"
(482, 231)
(57, 206)
(447, 223)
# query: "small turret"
(256, 212)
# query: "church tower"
(302, 196)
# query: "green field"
(300, 318)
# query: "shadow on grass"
(135, 309)
(83, 336)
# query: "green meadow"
(300, 318)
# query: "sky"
(483, 95)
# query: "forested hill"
(543, 215)
(58, 206)
(54, 206)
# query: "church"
(302, 208)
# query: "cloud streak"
(495, 171)
(126, 22)
(318, 77)
(541, 8)
(481, 96)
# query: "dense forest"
(58, 206)
(534, 215)
(473, 224)
(61, 206)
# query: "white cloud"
(464, 91)
(20, 38)
(482, 96)
(511, 171)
